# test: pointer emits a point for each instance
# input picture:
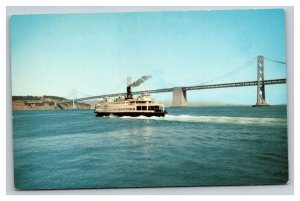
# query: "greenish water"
(196, 146)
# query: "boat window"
(144, 107)
(138, 107)
(151, 107)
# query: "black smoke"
(140, 81)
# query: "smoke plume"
(140, 81)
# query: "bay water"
(193, 146)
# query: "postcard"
(149, 99)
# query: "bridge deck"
(235, 84)
(196, 87)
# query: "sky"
(55, 54)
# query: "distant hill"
(43, 103)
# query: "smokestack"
(135, 84)
(129, 94)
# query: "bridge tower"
(179, 97)
(261, 98)
(74, 103)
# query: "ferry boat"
(143, 105)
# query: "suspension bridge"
(180, 93)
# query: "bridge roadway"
(196, 87)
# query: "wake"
(214, 119)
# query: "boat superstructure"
(129, 106)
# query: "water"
(197, 146)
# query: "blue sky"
(95, 53)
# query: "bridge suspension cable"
(83, 93)
(70, 95)
(74, 91)
(236, 70)
(118, 86)
(204, 85)
(280, 62)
